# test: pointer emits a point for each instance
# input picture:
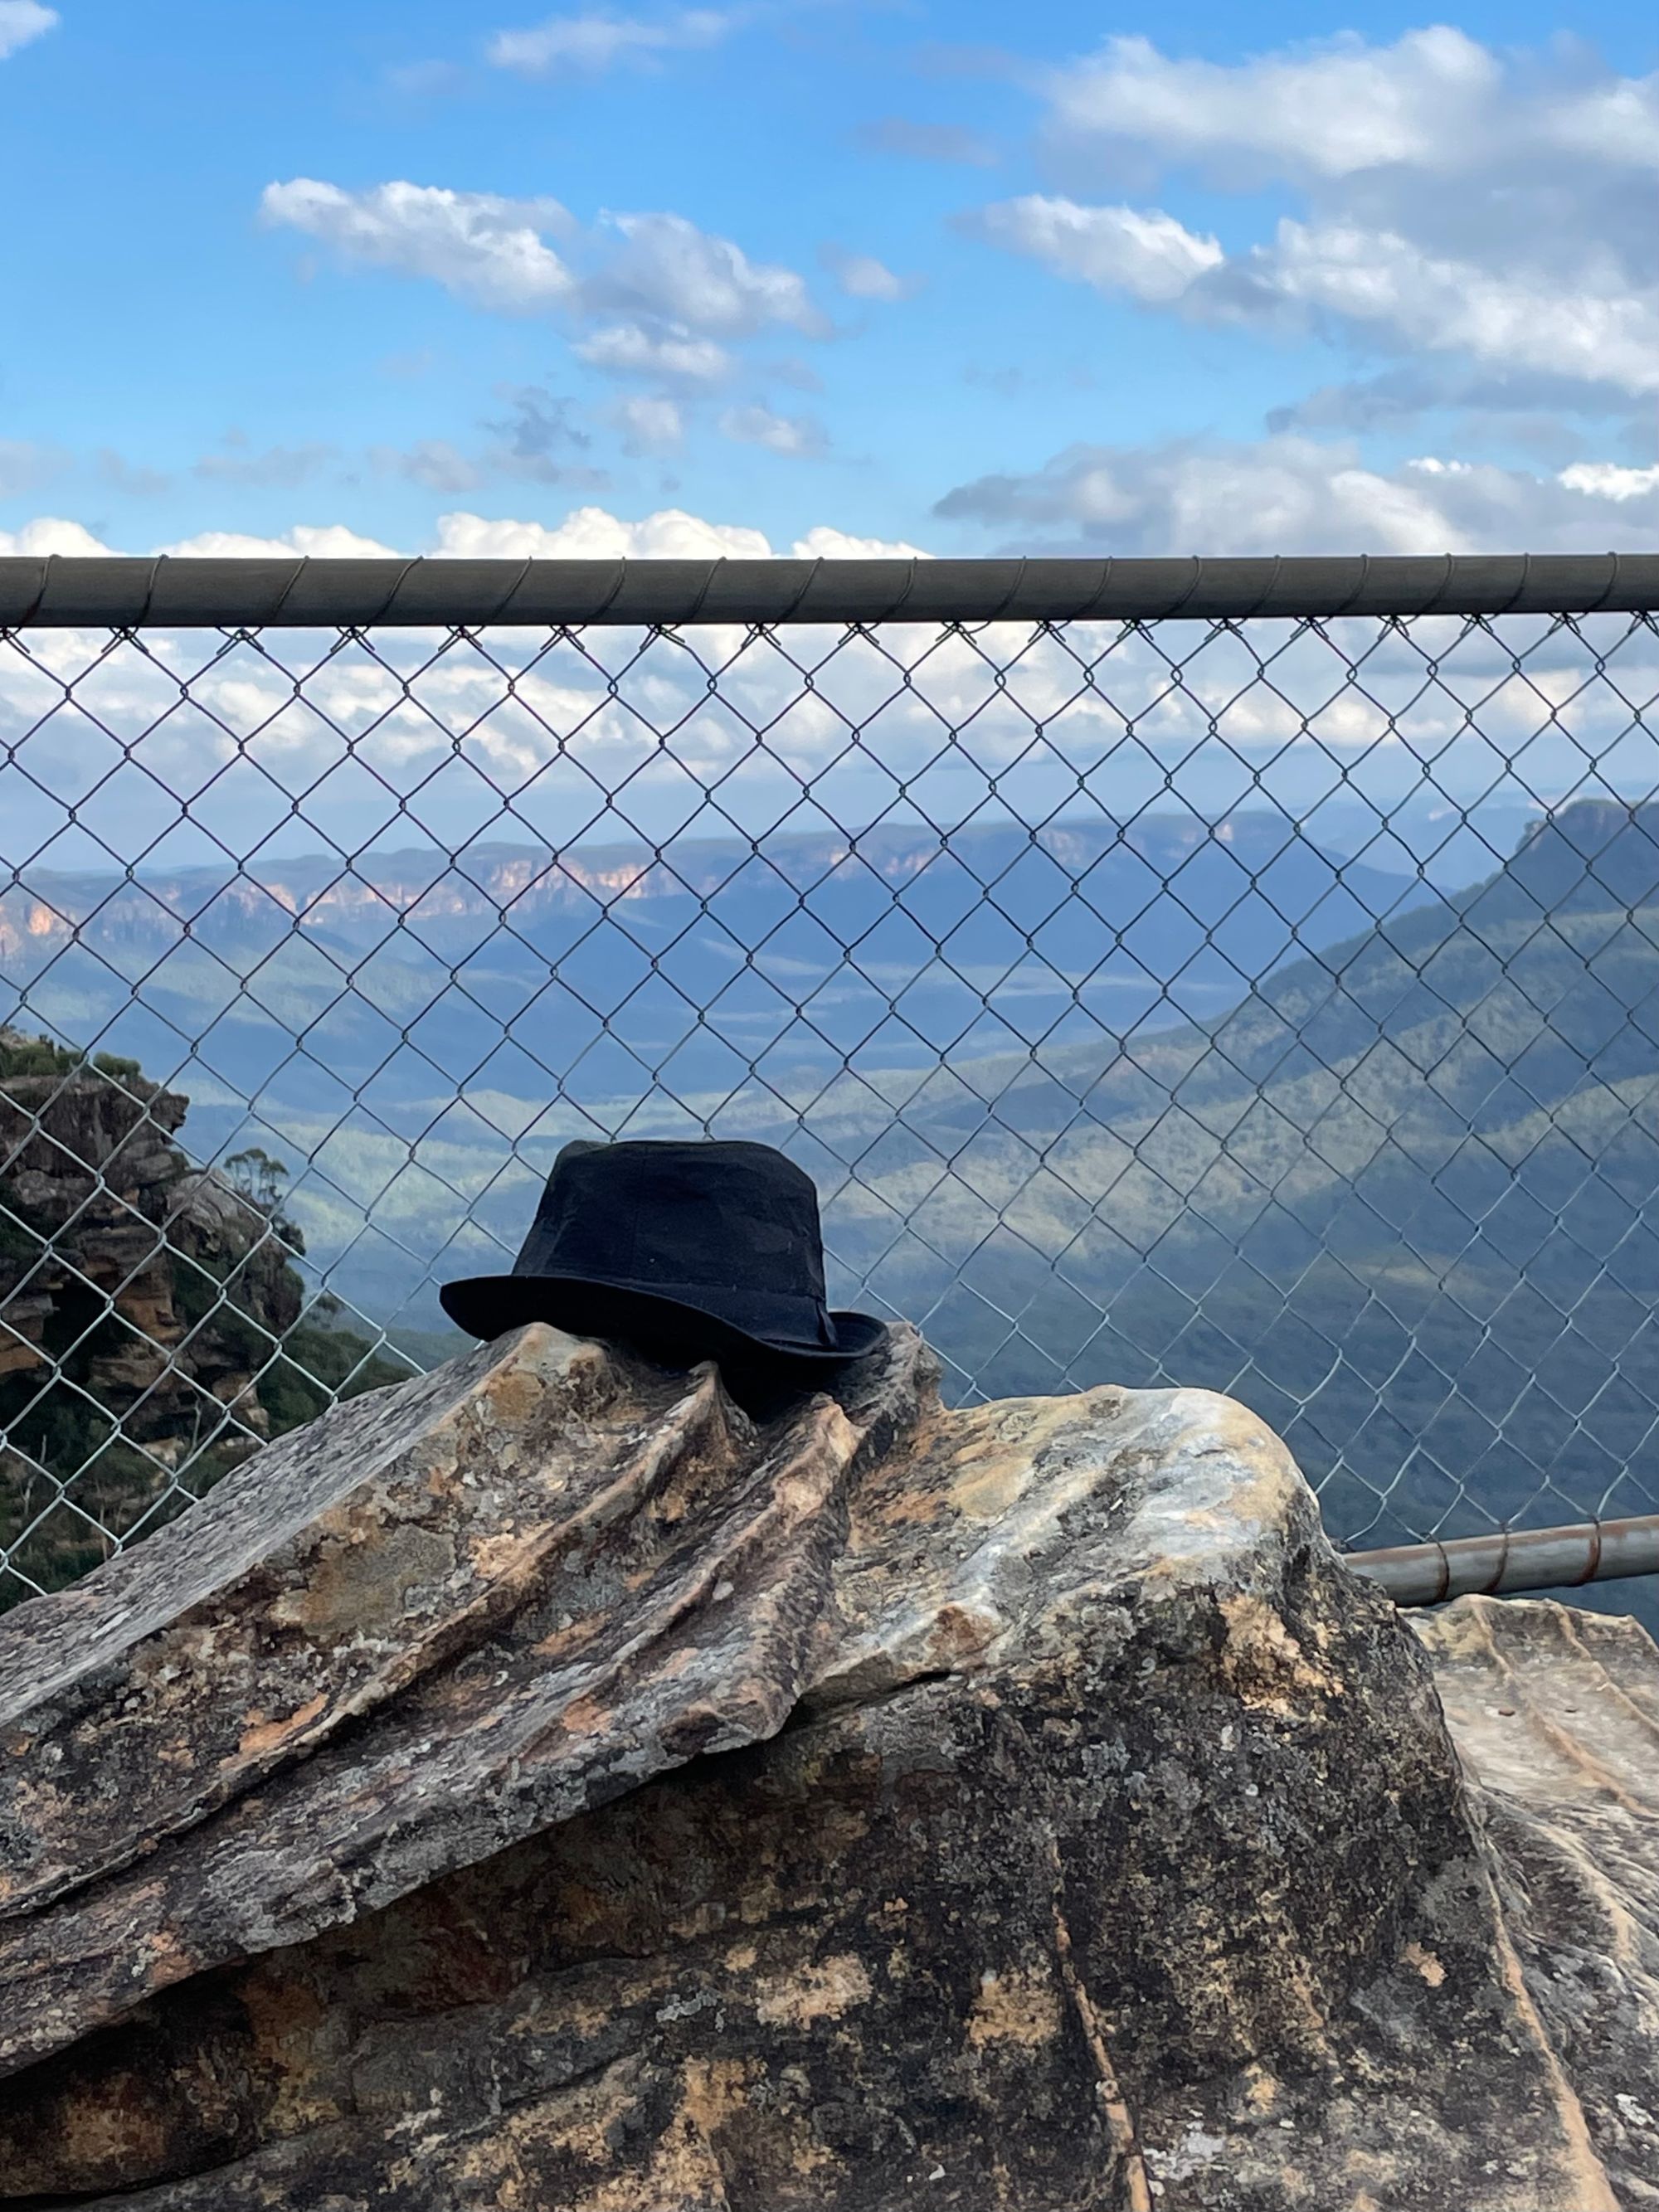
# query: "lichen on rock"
(545, 1785)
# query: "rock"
(1556, 1713)
(547, 1784)
(143, 1305)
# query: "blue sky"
(961, 279)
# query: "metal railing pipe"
(1514, 1560)
(180, 591)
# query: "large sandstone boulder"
(545, 1785)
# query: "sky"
(828, 276)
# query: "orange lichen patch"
(714, 2089)
(261, 1735)
(1261, 2088)
(585, 1717)
(1021, 2007)
(1265, 1664)
(823, 1991)
(500, 1558)
(1433, 1973)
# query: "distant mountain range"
(1376, 1147)
(618, 966)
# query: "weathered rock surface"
(544, 1785)
(143, 1305)
(1556, 1712)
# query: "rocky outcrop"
(143, 1305)
(1556, 1714)
(547, 1786)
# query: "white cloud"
(824, 544)
(1328, 110)
(1148, 253)
(585, 45)
(329, 542)
(668, 268)
(1598, 329)
(626, 349)
(1491, 212)
(48, 534)
(649, 425)
(484, 249)
(1607, 480)
(591, 533)
(1290, 494)
(665, 297)
(758, 425)
(1435, 101)
(21, 21)
(585, 533)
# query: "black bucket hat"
(712, 1249)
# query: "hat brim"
(488, 1306)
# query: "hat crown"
(729, 1226)
(663, 1212)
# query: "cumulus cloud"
(672, 534)
(584, 45)
(22, 21)
(1326, 112)
(1594, 331)
(585, 533)
(48, 534)
(486, 249)
(824, 544)
(666, 268)
(1461, 204)
(591, 533)
(327, 542)
(1148, 254)
(1607, 480)
(630, 349)
(758, 425)
(1290, 494)
(649, 295)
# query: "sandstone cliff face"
(544, 1786)
(143, 1305)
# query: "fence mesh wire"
(1272, 1006)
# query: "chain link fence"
(1241, 973)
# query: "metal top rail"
(62, 592)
